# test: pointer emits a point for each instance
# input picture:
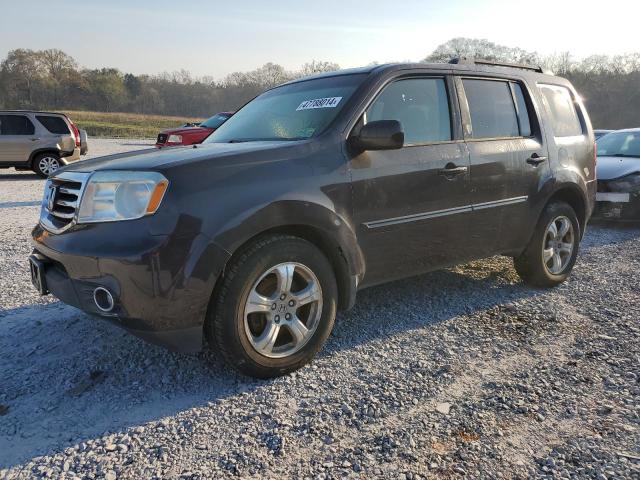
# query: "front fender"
(292, 213)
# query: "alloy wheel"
(48, 165)
(558, 245)
(283, 310)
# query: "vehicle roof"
(33, 111)
(461, 67)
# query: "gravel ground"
(459, 373)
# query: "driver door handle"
(450, 170)
(536, 159)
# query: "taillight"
(76, 132)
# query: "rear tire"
(46, 164)
(549, 258)
(275, 306)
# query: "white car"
(618, 172)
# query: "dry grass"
(125, 125)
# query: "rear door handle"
(536, 159)
(451, 170)
(35, 139)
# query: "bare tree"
(314, 67)
(480, 48)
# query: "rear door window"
(16, 125)
(53, 124)
(492, 109)
(421, 105)
(562, 108)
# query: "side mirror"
(379, 135)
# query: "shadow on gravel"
(603, 232)
(18, 176)
(20, 204)
(67, 377)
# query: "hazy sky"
(209, 37)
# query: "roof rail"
(491, 63)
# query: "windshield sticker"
(329, 102)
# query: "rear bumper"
(161, 286)
(70, 157)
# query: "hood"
(610, 168)
(158, 159)
(187, 130)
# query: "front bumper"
(161, 284)
(613, 204)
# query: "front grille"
(61, 201)
(162, 138)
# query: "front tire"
(46, 164)
(549, 258)
(275, 307)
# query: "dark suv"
(314, 190)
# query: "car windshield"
(619, 144)
(291, 112)
(215, 121)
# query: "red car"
(191, 134)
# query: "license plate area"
(612, 197)
(38, 279)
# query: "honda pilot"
(318, 188)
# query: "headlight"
(174, 139)
(630, 184)
(116, 195)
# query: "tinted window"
(16, 125)
(493, 113)
(295, 111)
(54, 124)
(421, 105)
(564, 118)
(523, 112)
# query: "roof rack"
(491, 63)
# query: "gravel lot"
(460, 373)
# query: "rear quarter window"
(561, 106)
(53, 124)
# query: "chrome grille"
(61, 201)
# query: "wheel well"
(331, 249)
(40, 152)
(573, 198)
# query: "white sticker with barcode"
(329, 102)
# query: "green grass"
(125, 125)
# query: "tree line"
(53, 80)
(609, 85)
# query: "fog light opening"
(103, 299)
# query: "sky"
(214, 38)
